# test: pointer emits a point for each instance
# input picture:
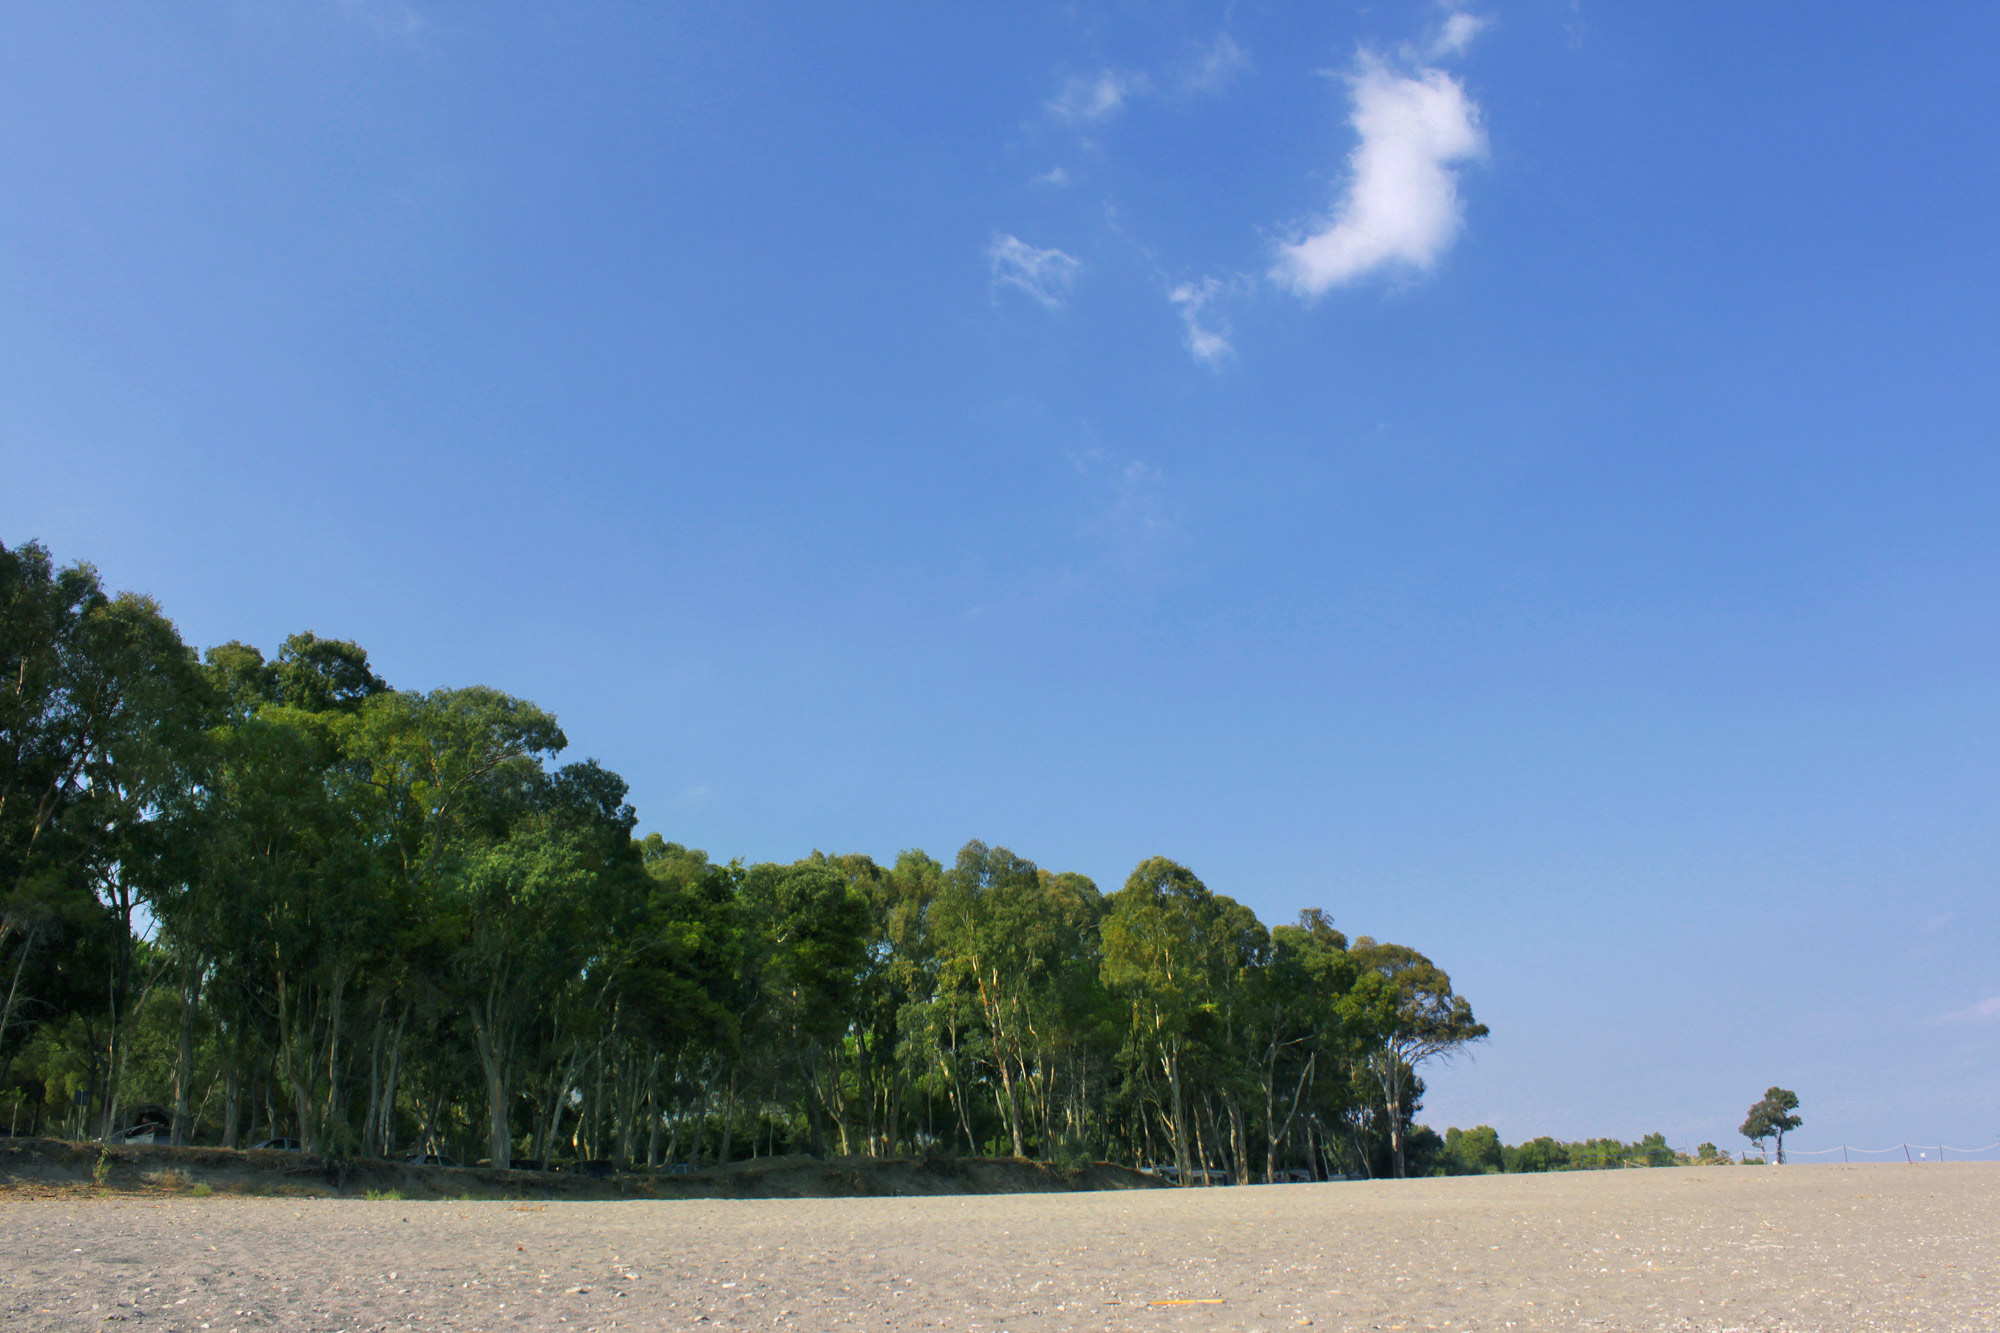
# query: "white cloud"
(1216, 66)
(1401, 203)
(1986, 1011)
(1207, 334)
(1043, 274)
(1092, 97)
(1053, 176)
(1457, 33)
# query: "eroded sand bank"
(1794, 1248)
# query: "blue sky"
(1521, 477)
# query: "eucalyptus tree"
(496, 859)
(1421, 1018)
(808, 951)
(99, 714)
(899, 985)
(680, 966)
(1070, 1014)
(1170, 947)
(983, 926)
(286, 899)
(1298, 1023)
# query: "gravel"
(1797, 1248)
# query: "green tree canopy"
(1772, 1117)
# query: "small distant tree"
(1772, 1118)
(1473, 1152)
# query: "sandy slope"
(1796, 1248)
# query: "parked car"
(150, 1124)
(280, 1145)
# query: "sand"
(1795, 1248)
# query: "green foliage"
(276, 899)
(1772, 1117)
(1472, 1152)
(1547, 1154)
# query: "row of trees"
(280, 898)
(1479, 1151)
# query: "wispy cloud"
(1986, 1011)
(1055, 176)
(1207, 331)
(1137, 512)
(1045, 275)
(1087, 98)
(1455, 37)
(1215, 66)
(1401, 202)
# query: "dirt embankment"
(54, 1167)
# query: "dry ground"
(54, 1168)
(1796, 1248)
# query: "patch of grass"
(201, 1191)
(102, 1171)
(386, 1196)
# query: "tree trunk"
(1200, 1150)
(385, 1125)
(723, 1150)
(232, 1115)
(493, 1064)
(184, 1063)
(1239, 1144)
(14, 986)
(653, 1117)
(333, 1133)
(368, 1120)
(1180, 1115)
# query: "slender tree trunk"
(293, 1065)
(14, 986)
(492, 1063)
(368, 1120)
(385, 1126)
(333, 1133)
(653, 1115)
(232, 1114)
(1011, 1105)
(1239, 1144)
(722, 1151)
(1396, 1135)
(184, 1062)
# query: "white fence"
(1913, 1153)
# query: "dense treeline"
(1478, 1151)
(279, 898)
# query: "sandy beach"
(1795, 1248)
